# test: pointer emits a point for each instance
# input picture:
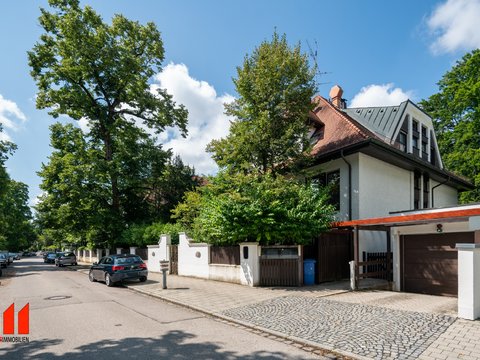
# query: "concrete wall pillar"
(89, 255)
(133, 250)
(468, 281)
(249, 264)
(107, 252)
(119, 251)
(164, 247)
(99, 254)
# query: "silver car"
(66, 258)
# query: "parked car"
(50, 258)
(11, 257)
(66, 258)
(115, 268)
(16, 256)
(3, 260)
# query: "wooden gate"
(333, 251)
(377, 265)
(281, 266)
(173, 259)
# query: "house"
(380, 161)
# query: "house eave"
(389, 154)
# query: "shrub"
(266, 209)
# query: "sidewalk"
(330, 320)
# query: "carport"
(425, 246)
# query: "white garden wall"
(194, 261)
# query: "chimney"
(336, 93)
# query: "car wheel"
(56, 264)
(75, 263)
(108, 280)
(143, 279)
(91, 277)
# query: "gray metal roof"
(383, 121)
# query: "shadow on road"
(173, 345)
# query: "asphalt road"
(74, 319)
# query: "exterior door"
(430, 262)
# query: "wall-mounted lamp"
(439, 228)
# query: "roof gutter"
(349, 185)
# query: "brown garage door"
(430, 262)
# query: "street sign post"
(164, 267)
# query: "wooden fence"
(143, 253)
(226, 255)
(376, 265)
(173, 249)
(279, 272)
(281, 266)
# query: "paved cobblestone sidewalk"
(369, 331)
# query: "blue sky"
(380, 52)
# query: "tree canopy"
(269, 210)
(16, 227)
(100, 73)
(456, 113)
(275, 87)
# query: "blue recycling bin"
(309, 271)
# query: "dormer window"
(317, 134)
(402, 140)
(424, 143)
(415, 138)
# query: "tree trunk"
(113, 175)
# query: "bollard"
(164, 267)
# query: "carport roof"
(451, 214)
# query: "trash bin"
(309, 271)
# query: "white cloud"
(380, 95)
(84, 125)
(455, 25)
(206, 118)
(10, 113)
(35, 200)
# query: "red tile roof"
(340, 130)
(425, 216)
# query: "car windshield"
(128, 260)
(51, 255)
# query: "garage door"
(430, 262)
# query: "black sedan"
(115, 268)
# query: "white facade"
(378, 189)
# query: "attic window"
(317, 135)
(394, 110)
(358, 111)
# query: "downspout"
(349, 185)
(433, 188)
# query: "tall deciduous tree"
(275, 87)
(456, 113)
(16, 228)
(87, 69)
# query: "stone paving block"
(360, 329)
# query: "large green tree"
(16, 228)
(275, 87)
(456, 113)
(88, 69)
